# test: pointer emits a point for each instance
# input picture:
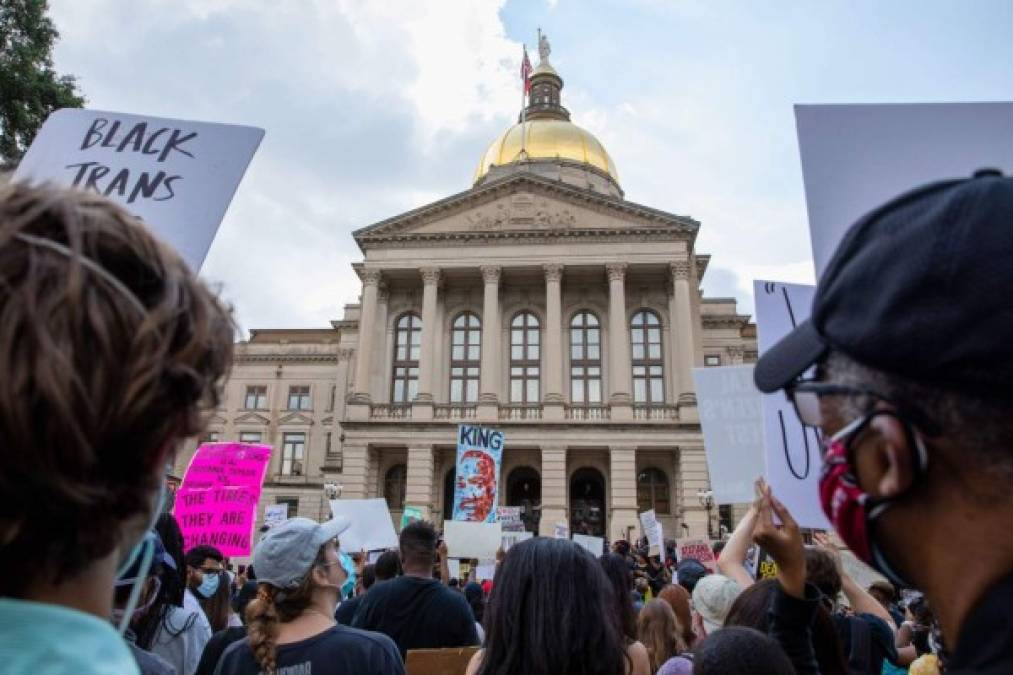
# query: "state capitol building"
(540, 302)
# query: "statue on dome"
(544, 49)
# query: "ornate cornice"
(553, 271)
(616, 271)
(725, 320)
(285, 358)
(491, 273)
(430, 275)
(652, 221)
(345, 354)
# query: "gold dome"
(547, 139)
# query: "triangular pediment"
(252, 418)
(295, 418)
(524, 205)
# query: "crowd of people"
(111, 349)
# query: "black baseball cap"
(921, 287)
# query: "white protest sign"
(653, 532)
(454, 568)
(510, 518)
(468, 539)
(372, 527)
(514, 538)
(275, 514)
(792, 453)
(857, 157)
(177, 176)
(593, 545)
(562, 530)
(373, 556)
(486, 569)
(731, 417)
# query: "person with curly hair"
(290, 625)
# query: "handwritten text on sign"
(176, 175)
(791, 451)
(217, 501)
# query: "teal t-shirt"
(41, 639)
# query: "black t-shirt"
(215, 646)
(339, 650)
(418, 614)
(881, 642)
(346, 610)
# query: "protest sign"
(410, 515)
(178, 176)
(217, 501)
(510, 518)
(372, 526)
(373, 556)
(479, 456)
(486, 569)
(562, 531)
(698, 549)
(593, 545)
(653, 532)
(275, 514)
(454, 567)
(857, 157)
(731, 417)
(467, 539)
(513, 538)
(792, 455)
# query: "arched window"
(585, 359)
(525, 354)
(465, 358)
(652, 491)
(648, 363)
(407, 344)
(395, 484)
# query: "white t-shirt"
(181, 637)
(190, 601)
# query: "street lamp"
(333, 490)
(706, 498)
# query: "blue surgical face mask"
(145, 548)
(348, 565)
(209, 586)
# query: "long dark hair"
(548, 614)
(751, 609)
(618, 573)
(171, 589)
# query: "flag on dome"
(526, 71)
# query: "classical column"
(553, 355)
(619, 340)
(694, 478)
(430, 331)
(623, 483)
(553, 490)
(682, 331)
(489, 383)
(419, 489)
(367, 320)
(378, 386)
(354, 471)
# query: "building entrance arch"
(524, 489)
(587, 502)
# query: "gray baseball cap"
(285, 554)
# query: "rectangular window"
(299, 398)
(211, 437)
(293, 505)
(330, 399)
(256, 398)
(250, 436)
(712, 360)
(292, 449)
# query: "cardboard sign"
(510, 518)
(562, 531)
(372, 526)
(654, 533)
(275, 514)
(410, 515)
(593, 545)
(731, 416)
(513, 538)
(792, 454)
(857, 157)
(472, 540)
(698, 549)
(479, 456)
(178, 176)
(217, 501)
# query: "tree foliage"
(29, 87)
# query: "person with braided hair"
(291, 630)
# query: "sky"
(374, 108)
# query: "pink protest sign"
(217, 501)
(698, 549)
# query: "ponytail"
(262, 628)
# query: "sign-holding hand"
(783, 543)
